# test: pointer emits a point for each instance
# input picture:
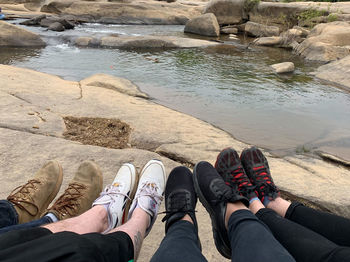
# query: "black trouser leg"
(39, 244)
(302, 243)
(251, 240)
(332, 227)
(179, 244)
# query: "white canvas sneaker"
(117, 196)
(150, 190)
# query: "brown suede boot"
(84, 188)
(31, 199)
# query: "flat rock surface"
(159, 131)
(336, 72)
(128, 42)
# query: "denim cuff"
(8, 214)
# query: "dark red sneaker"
(257, 168)
(229, 166)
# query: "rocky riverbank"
(33, 129)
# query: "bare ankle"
(279, 205)
(232, 207)
(187, 218)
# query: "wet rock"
(67, 24)
(206, 25)
(121, 85)
(11, 35)
(229, 30)
(227, 11)
(269, 41)
(56, 26)
(153, 42)
(46, 22)
(337, 72)
(83, 41)
(33, 21)
(285, 67)
(255, 29)
(326, 42)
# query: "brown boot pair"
(31, 200)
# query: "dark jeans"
(8, 214)
(310, 235)
(9, 219)
(250, 240)
(39, 244)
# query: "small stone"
(30, 113)
(268, 41)
(35, 127)
(285, 67)
(229, 30)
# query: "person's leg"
(250, 239)
(181, 242)
(120, 244)
(82, 190)
(32, 224)
(302, 243)
(8, 214)
(332, 227)
(108, 209)
(247, 239)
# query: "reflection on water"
(230, 86)
(10, 55)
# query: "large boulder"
(152, 12)
(11, 35)
(326, 42)
(227, 11)
(255, 29)
(337, 72)
(206, 25)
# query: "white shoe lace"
(111, 191)
(150, 189)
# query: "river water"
(229, 86)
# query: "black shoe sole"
(220, 244)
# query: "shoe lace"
(66, 203)
(240, 179)
(264, 185)
(113, 190)
(150, 189)
(22, 196)
(222, 194)
(179, 203)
